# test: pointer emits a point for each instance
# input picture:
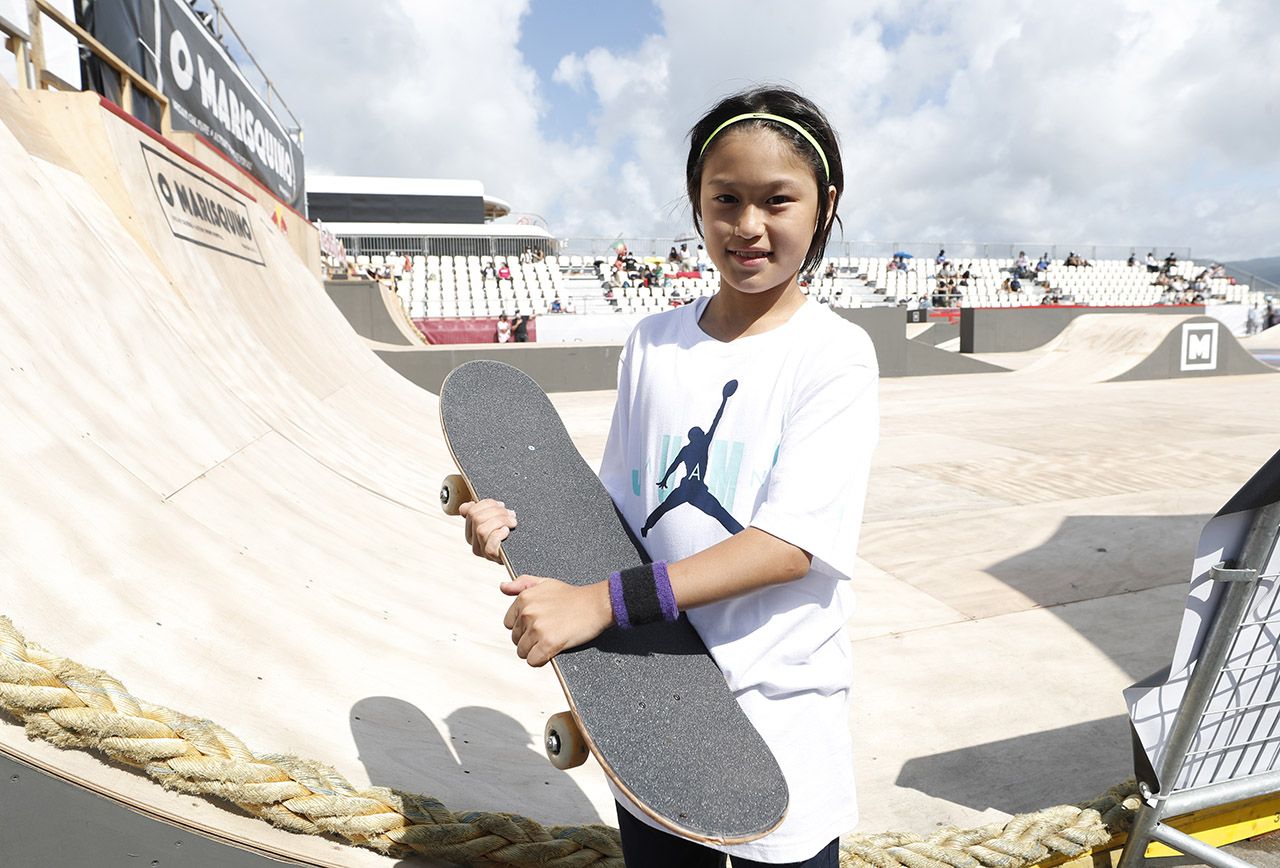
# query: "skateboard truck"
(566, 748)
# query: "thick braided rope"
(1025, 840)
(73, 706)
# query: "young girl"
(739, 451)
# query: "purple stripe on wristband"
(666, 597)
(617, 603)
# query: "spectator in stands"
(1077, 261)
(1042, 265)
(966, 275)
(1133, 260)
(555, 305)
(1170, 263)
(521, 329)
(487, 272)
(939, 259)
(504, 329)
(1152, 265)
(504, 273)
(830, 272)
(1022, 265)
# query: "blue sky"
(554, 28)
(1116, 122)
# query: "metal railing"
(221, 25)
(957, 251)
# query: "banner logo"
(199, 212)
(1200, 346)
(172, 47)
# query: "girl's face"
(759, 209)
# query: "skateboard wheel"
(454, 492)
(566, 748)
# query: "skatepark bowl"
(217, 492)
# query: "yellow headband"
(765, 116)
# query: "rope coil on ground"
(74, 706)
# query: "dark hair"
(791, 105)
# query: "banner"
(168, 44)
(199, 212)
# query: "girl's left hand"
(549, 616)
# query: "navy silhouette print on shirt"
(693, 487)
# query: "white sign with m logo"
(1200, 346)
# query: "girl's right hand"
(489, 522)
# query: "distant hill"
(1268, 268)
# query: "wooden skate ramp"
(215, 491)
(1115, 347)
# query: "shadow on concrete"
(1013, 775)
(1092, 558)
(402, 749)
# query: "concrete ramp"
(374, 312)
(937, 334)
(1114, 347)
(1265, 343)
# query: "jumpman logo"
(693, 487)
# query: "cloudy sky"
(1151, 122)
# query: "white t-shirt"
(792, 419)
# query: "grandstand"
(444, 286)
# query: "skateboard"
(649, 703)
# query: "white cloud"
(1107, 121)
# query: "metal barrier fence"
(437, 245)
(956, 251)
(1223, 745)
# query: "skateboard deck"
(652, 705)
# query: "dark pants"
(646, 847)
